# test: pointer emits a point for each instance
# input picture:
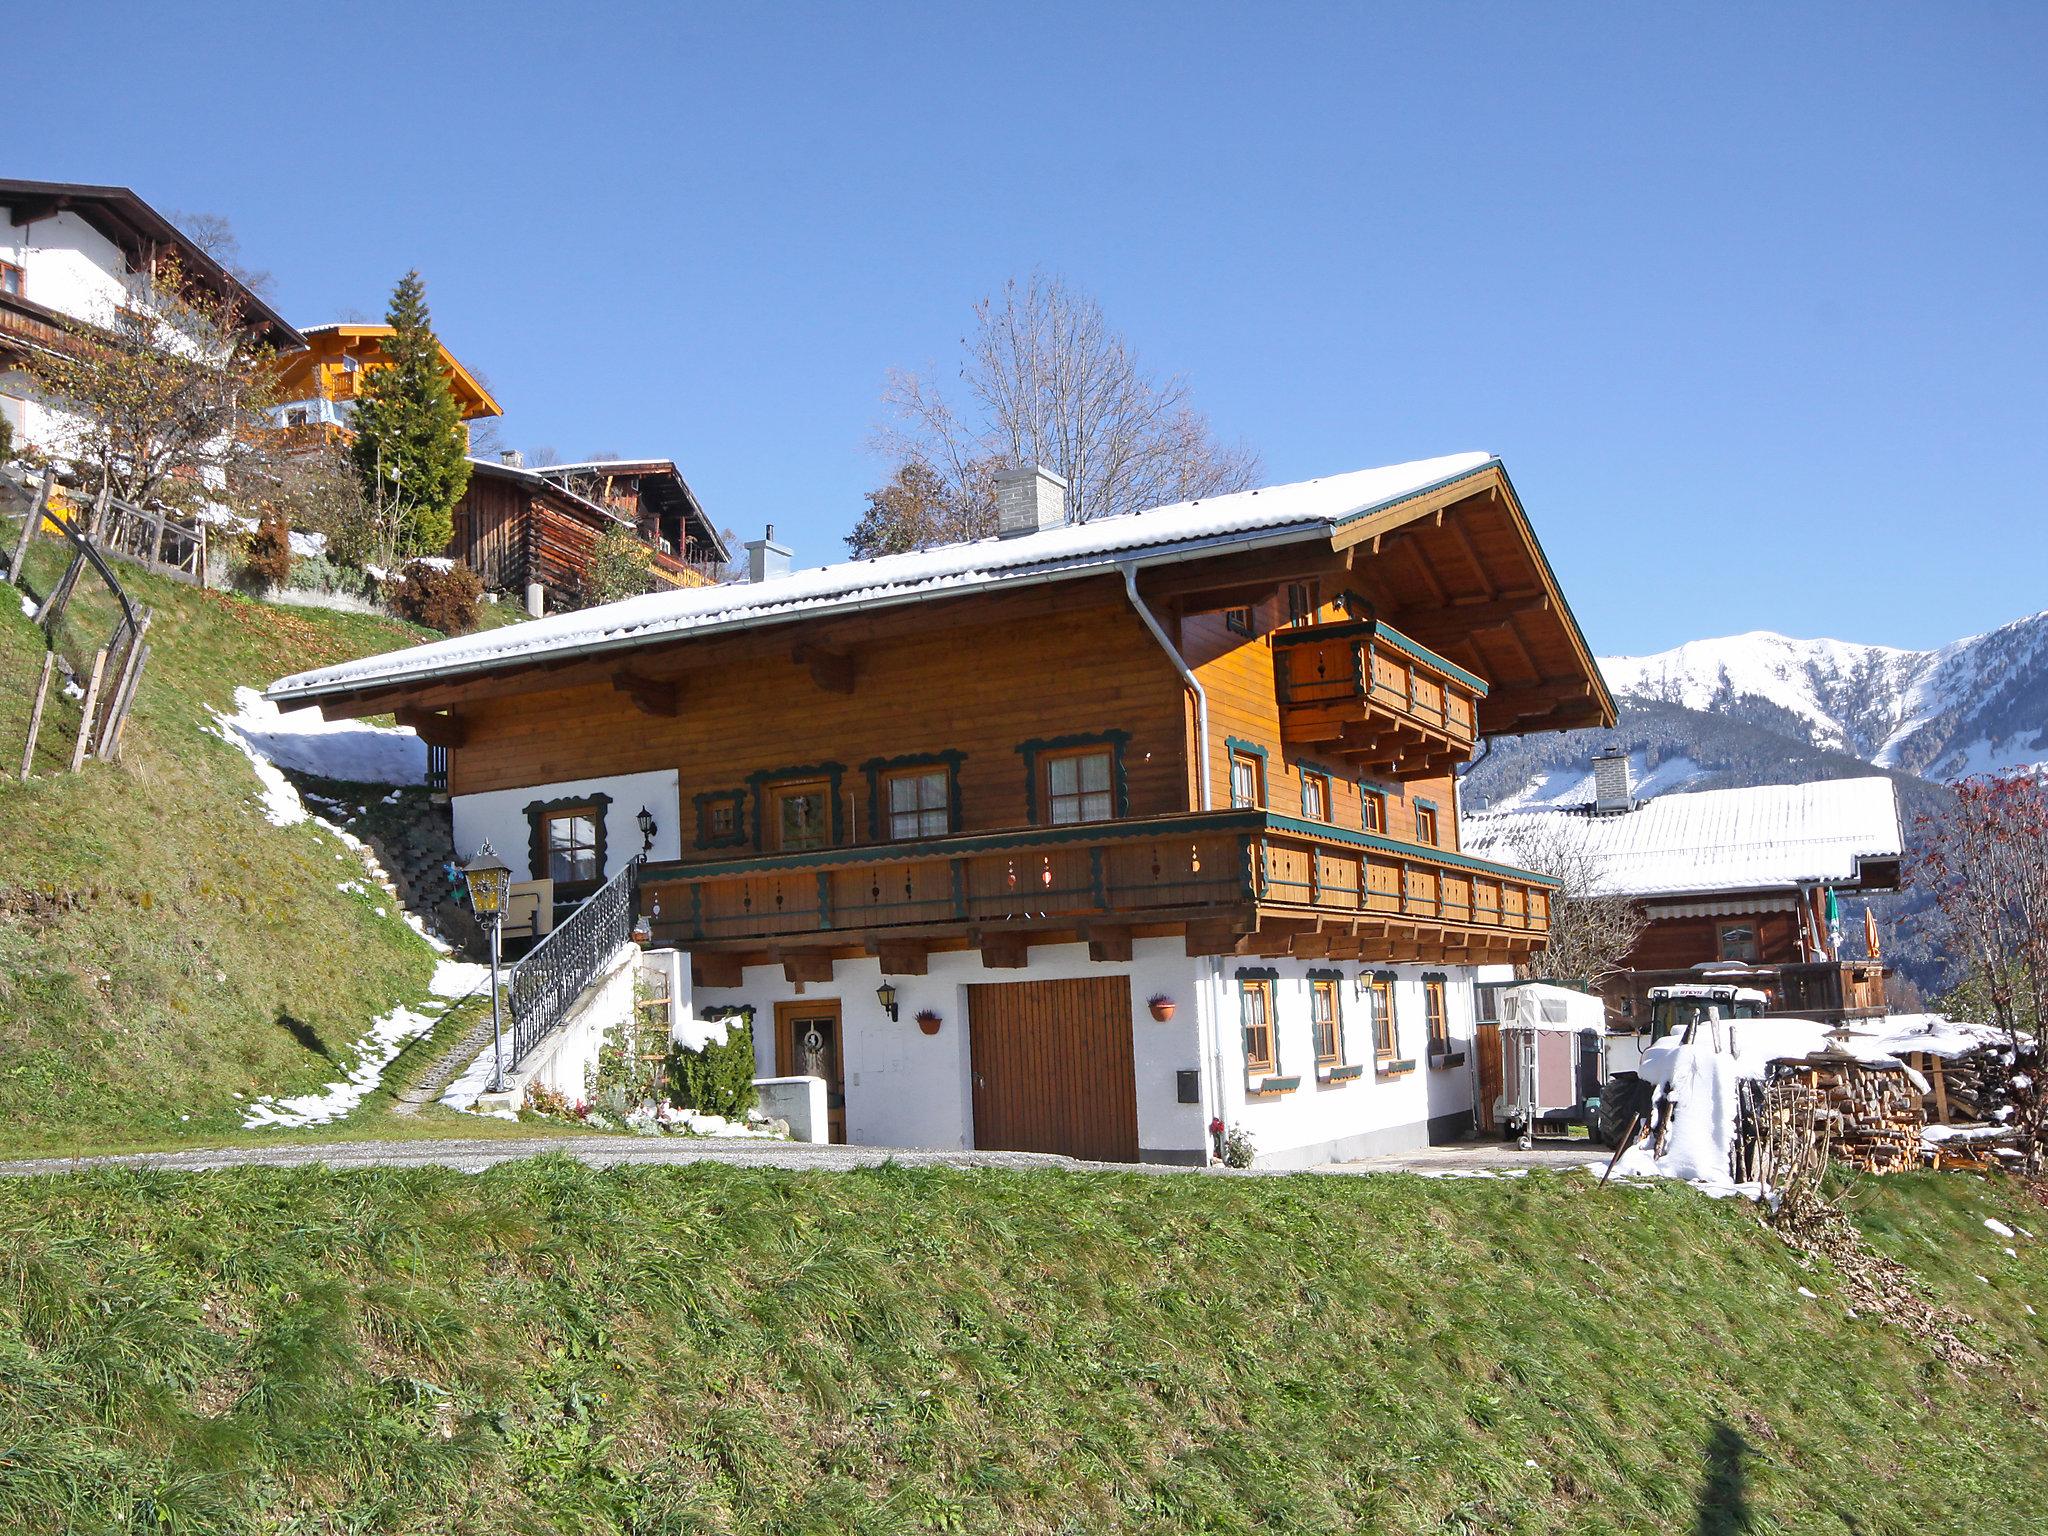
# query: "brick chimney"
(1029, 497)
(1613, 794)
(767, 559)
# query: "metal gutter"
(1130, 570)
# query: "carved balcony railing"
(1366, 694)
(1248, 867)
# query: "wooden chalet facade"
(318, 388)
(1152, 819)
(1732, 881)
(684, 548)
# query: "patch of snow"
(373, 1053)
(1809, 1295)
(28, 607)
(696, 1032)
(1991, 1224)
(307, 545)
(300, 740)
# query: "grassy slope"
(210, 952)
(547, 1348)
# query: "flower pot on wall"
(1162, 1008)
(929, 1022)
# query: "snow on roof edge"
(1053, 554)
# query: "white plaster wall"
(1384, 1112)
(905, 1088)
(500, 816)
(66, 264)
(565, 1060)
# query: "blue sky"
(1750, 299)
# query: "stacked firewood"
(1864, 1115)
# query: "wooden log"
(92, 699)
(35, 719)
(28, 529)
(124, 693)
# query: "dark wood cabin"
(684, 546)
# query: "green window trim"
(1257, 973)
(1119, 780)
(537, 814)
(878, 769)
(1324, 974)
(704, 804)
(758, 785)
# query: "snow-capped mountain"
(1976, 706)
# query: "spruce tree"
(411, 448)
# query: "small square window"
(1301, 602)
(1315, 797)
(1077, 788)
(11, 278)
(572, 846)
(1238, 620)
(1738, 942)
(801, 816)
(919, 804)
(1425, 824)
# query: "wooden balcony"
(1232, 882)
(1831, 991)
(1365, 694)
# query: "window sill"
(1400, 1068)
(1337, 1076)
(1272, 1087)
(1443, 1061)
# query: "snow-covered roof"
(1768, 837)
(1274, 514)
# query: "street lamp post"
(490, 887)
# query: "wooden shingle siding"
(1052, 1066)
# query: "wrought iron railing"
(553, 974)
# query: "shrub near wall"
(718, 1078)
(440, 597)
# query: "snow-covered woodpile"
(1865, 1114)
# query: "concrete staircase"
(410, 832)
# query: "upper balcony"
(1243, 881)
(1365, 694)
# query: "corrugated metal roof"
(1774, 835)
(1078, 549)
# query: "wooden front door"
(1486, 1044)
(809, 1043)
(1052, 1068)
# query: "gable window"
(800, 815)
(1326, 1020)
(1436, 1014)
(1301, 602)
(1077, 788)
(572, 845)
(1255, 999)
(1384, 1038)
(919, 804)
(297, 416)
(1425, 824)
(1247, 779)
(1238, 620)
(1373, 810)
(1738, 942)
(11, 279)
(1315, 797)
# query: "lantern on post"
(489, 879)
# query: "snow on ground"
(300, 740)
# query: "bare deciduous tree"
(1986, 861)
(1592, 928)
(213, 234)
(1045, 380)
(164, 394)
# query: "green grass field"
(162, 946)
(544, 1348)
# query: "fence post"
(92, 698)
(28, 529)
(35, 719)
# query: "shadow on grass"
(1723, 1508)
(305, 1034)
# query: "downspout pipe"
(1187, 676)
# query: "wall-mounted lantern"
(885, 994)
(647, 829)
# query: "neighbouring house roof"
(476, 400)
(595, 512)
(1776, 836)
(662, 488)
(1348, 506)
(137, 229)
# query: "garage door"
(1052, 1068)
